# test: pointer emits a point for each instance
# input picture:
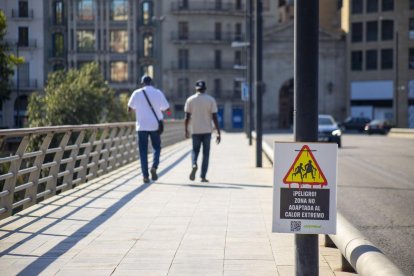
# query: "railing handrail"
(45, 160)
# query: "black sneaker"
(193, 172)
(154, 175)
(204, 180)
(146, 180)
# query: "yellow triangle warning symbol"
(305, 170)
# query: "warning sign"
(304, 194)
(305, 170)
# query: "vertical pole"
(250, 67)
(18, 88)
(396, 79)
(258, 79)
(306, 112)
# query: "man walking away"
(200, 109)
(147, 124)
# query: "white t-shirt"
(145, 119)
(201, 106)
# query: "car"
(328, 130)
(379, 126)
(355, 123)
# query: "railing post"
(114, 150)
(85, 161)
(68, 179)
(52, 183)
(107, 152)
(10, 184)
(126, 145)
(34, 176)
(98, 151)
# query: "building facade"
(25, 32)
(380, 53)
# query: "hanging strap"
(153, 111)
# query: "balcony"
(207, 7)
(206, 37)
(208, 65)
(23, 44)
(24, 84)
(22, 14)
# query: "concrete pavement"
(115, 225)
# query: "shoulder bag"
(160, 122)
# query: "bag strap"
(153, 111)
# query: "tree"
(75, 97)
(7, 61)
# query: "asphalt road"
(376, 191)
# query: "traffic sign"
(304, 194)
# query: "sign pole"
(306, 112)
(258, 80)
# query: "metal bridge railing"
(38, 163)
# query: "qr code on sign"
(295, 226)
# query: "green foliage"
(76, 97)
(7, 61)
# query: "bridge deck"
(115, 225)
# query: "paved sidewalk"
(115, 225)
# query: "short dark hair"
(146, 79)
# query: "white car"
(328, 130)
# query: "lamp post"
(17, 87)
(258, 81)
(250, 66)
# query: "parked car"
(378, 126)
(328, 130)
(355, 123)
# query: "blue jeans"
(198, 140)
(143, 149)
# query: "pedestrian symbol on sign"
(305, 170)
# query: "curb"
(364, 256)
(401, 132)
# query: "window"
(119, 10)
(238, 4)
(411, 4)
(217, 31)
(217, 88)
(147, 69)
(148, 45)
(356, 60)
(183, 30)
(356, 32)
(356, 6)
(183, 86)
(119, 71)
(23, 9)
(411, 28)
(218, 4)
(183, 58)
(371, 60)
(386, 59)
(387, 30)
(118, 41)
(387, 5)
(238, 32)
(372, 31)
(86, 10)
(217, 59)
(372, 6)
(58, 12)
(85, 41)
(147, 13)
(237, 88)
(58, 45)
(411, 58)
(23, 39)
(183, 4)
(238, 58)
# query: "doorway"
(286, 104)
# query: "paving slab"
(117, 225)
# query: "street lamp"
(17, 86)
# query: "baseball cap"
(146, 79)
(200, 85)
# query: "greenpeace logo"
(312, 226)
